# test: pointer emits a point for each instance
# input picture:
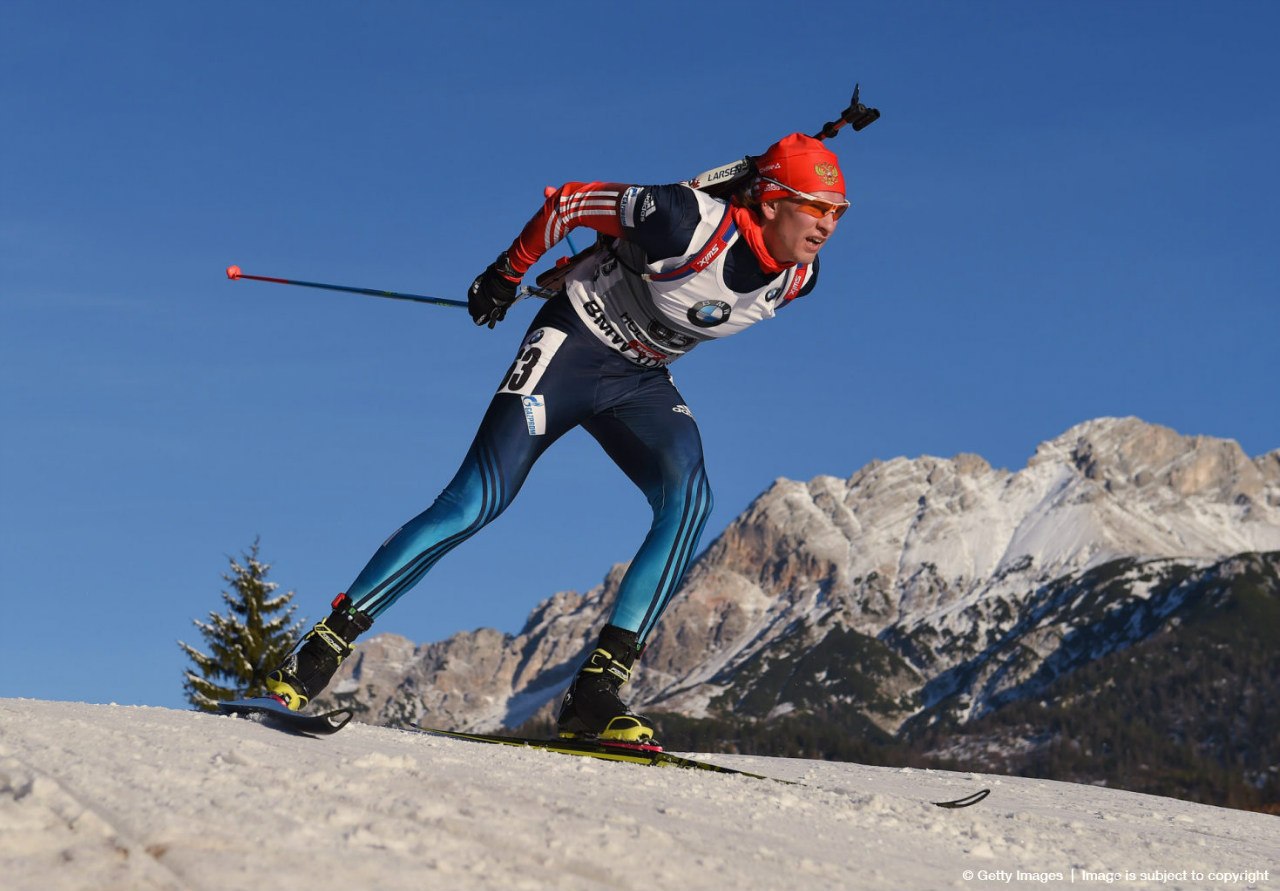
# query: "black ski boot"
(591, 707)
(309, 667)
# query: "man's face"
(791, 234)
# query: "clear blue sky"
(1067, 211)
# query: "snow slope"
(107, 797)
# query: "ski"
(638, 754)
(967, 801)
(273, 713)
(632, 753)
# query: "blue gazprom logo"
(535, 414)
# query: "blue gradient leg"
(490, 476)
(660, 450)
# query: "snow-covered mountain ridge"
(913, 584)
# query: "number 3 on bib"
(532, 360)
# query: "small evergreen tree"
(252, 638)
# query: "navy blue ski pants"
(564, 377)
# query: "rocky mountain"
(917, 592)
(1187, 711)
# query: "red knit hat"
(801, 162)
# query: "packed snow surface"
(108, 797)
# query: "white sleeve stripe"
(599, 193)
(591, 202)
(591, 197)
(575, 207)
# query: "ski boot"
(591, 707)
(311, 665)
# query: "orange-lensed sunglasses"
(812, 204)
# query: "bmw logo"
(710, 313)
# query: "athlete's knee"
(700, 490)
(686, 494)
(465, 509)
(708, 498)
(476, 495)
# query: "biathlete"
(677, 267)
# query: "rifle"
(721, 182)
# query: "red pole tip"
(233, 272)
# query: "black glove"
(492, 292)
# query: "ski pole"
(234, 273)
